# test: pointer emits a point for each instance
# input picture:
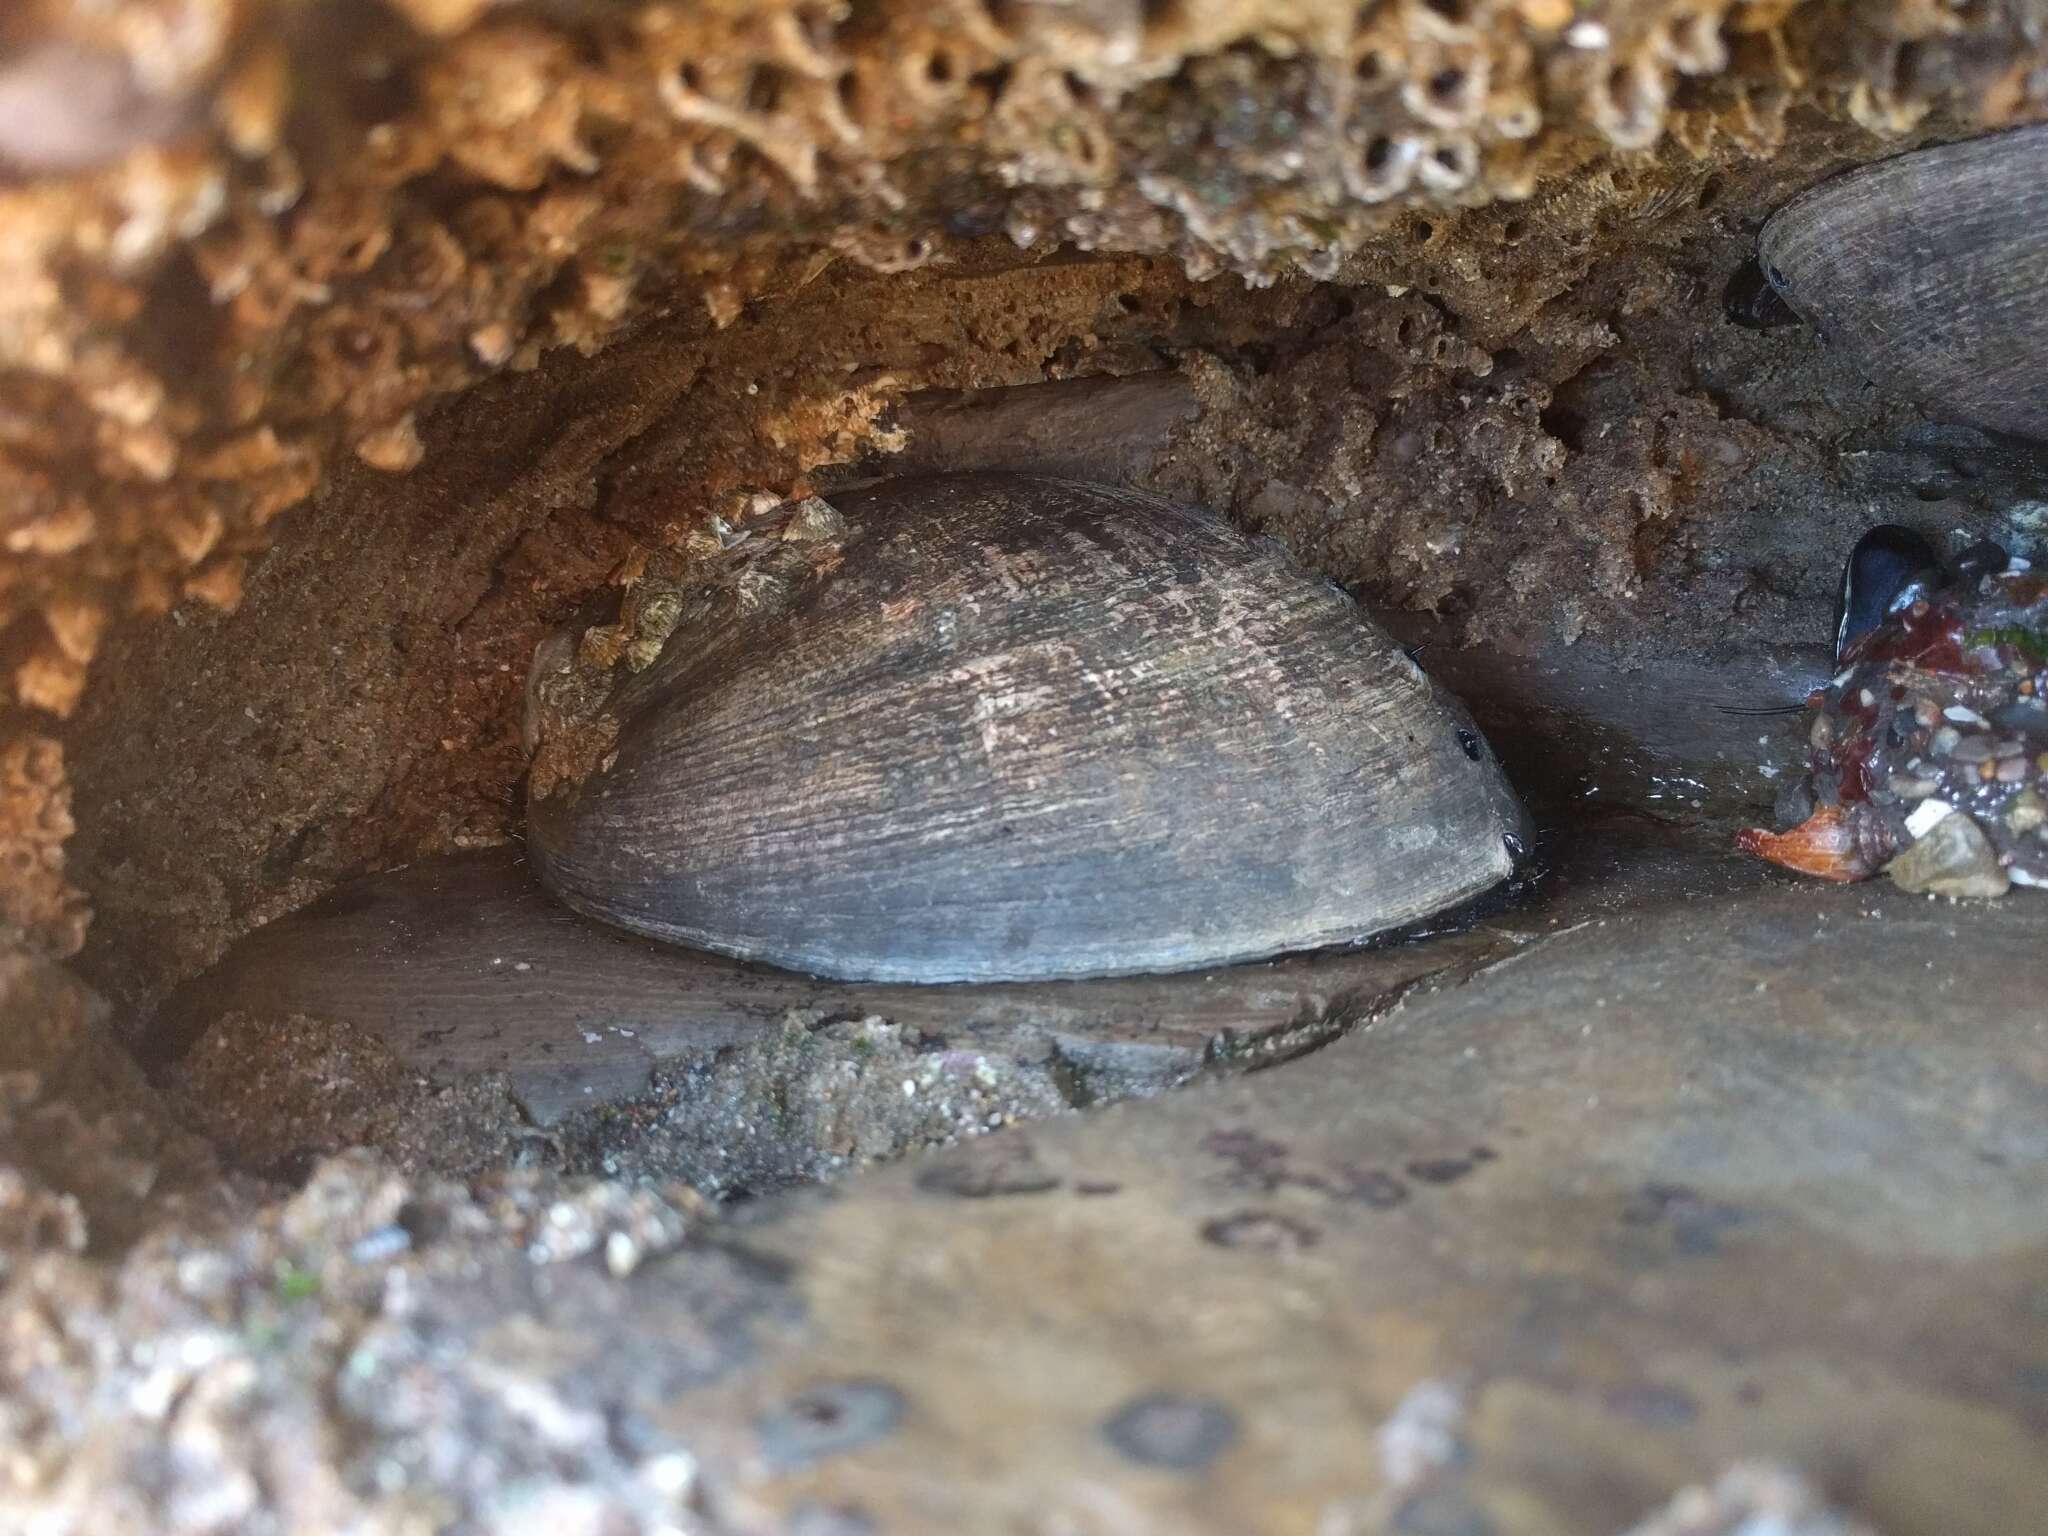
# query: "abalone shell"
(1931, 270)
(1015, 728)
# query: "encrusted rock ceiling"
(247, 237)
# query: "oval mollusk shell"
(1023, 728)
(1931, 269)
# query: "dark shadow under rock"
(90, 1157)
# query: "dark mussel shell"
(1019, 728)
(1889, 567)
(1931, 269)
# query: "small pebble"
(1953, 859)
(1926, 815)
(383, 1243)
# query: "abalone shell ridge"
(1031, 728)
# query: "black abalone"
(1013, 727)
(1931, 270)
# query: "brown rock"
(1953, 858)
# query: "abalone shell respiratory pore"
(1930, 270)
(1751, 302)
(1018, 728)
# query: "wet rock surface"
(1686, 736)
(1527, 1253)
(1649, 1196)
(453, 1014)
